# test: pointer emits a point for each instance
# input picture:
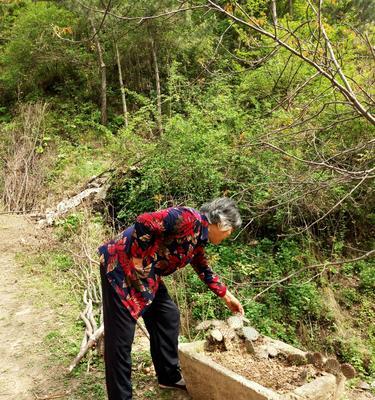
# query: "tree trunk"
(158, 91)
(124, 107)
(290, 2)
(103, 86)
(274, 11)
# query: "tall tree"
(103, 74)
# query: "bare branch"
(344, 89)
(141, 19)
(353, 174)
(324, 265)
(295, 92)
(316, 188)
(331, 209)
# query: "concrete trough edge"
(324, 387)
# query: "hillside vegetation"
(271, 103)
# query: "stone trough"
(208, 380)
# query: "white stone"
(235, 322)
(216, 335)
(250, 333)
(363, 385)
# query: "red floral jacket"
(165, 240)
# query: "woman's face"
(216, 235)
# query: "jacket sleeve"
(200, 264)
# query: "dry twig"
(308, 267)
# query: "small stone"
(249, 333)
(302, 376)
(363, 385)
(216, 335)
(235, 322)
(348, 371)
(204, 325)
(317, 359)
(272, 351)
(332, 366)
(296, 359)
(229, 336)
(228, 333)
(249, 346)
(262, 352)
(310, 358)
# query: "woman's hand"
(233, 304)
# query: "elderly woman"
(132, 267)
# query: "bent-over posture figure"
(132, 266)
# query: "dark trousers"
(162, 321)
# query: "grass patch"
(49, 283)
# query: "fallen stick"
(91, 342)
(143, 329)
(51, 396)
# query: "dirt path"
(22, 324)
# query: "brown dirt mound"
(273, 373)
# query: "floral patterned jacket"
(165, 240)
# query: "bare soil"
(272, 373)
(358, 394)
(22, 325)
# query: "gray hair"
(223, 212)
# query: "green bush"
(34, 61)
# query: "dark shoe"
(177, 385)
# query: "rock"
(348, 371)
(235, 322)
(310, 358)
(205, 325)
(229, 337)
(249, 333)
(316, 359)
(272, 351)
(282, 348)
(323, 389)
(215, 335)
(332, 366)
(262, 352)
(363, 385)
(296, 359)
(249, 346)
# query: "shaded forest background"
(268, 102)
